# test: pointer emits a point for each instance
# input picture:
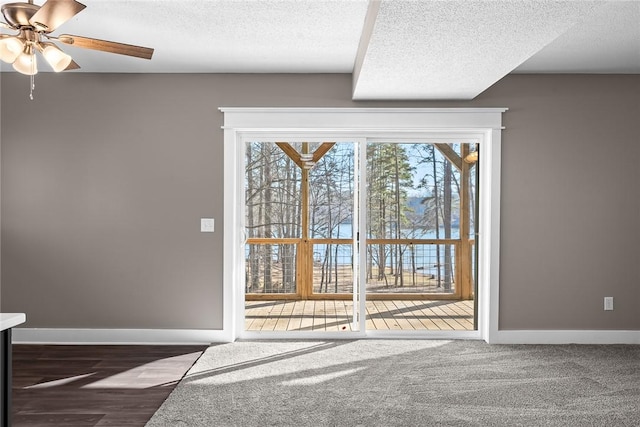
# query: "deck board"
(330, 315)
(344, 315)
(306, 322)
(426, 318)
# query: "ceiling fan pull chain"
(32, 86)
(32, 80)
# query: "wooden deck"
(332, 315)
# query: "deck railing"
(324, 269)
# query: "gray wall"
(105, 177)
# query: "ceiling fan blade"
(54, 13)
(107, 46)
(73, 65)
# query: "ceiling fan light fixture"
(26, 62)
(34, 23)
(58, 60)
(10, 48)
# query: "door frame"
(481, 124)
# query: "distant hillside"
(418, 208)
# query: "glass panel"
(410, 268)
(270, 268)
(413, 192)
(272, 184)
(331, 194)
(333, 268)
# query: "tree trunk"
(382, 255)
(268, 285)
(399, 279)
(335, 270)
(254, 260)
(446, 218)
(288, 260)
(436, 199)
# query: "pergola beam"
(322, 150)
(450, 154)
(295, 156)
(290, 152)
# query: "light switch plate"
(207, 225)
(608, 303)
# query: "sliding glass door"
(419, 235)
(335, 228)
(301, 249)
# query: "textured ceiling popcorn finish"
(408, 49)
(453, 49)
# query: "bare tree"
(446, 220)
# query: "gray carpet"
(407, 383)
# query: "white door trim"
(483, 124)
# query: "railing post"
(464, 261)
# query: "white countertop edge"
(9, 320)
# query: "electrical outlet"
(608, 303)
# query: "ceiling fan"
(35, 24)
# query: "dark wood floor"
(65, 385)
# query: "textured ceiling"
(396, 49)
(453, 49)
(223, 36)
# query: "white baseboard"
(566, 337)
(207, 336)
(118, 336)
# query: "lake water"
(425, 256)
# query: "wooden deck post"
(466, 286)
(463, 253)
(306, 268)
